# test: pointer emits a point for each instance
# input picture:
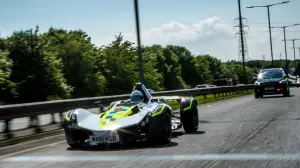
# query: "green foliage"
(60, 64)
(120, 68)
(79, 58)
(35, 70)
(7, 87)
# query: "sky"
(202, 26)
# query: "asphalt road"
(239, 132)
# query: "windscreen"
(270, 75)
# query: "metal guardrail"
(32, 110)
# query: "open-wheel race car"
(140, 118)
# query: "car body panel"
(91, 121)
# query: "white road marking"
(233, 157)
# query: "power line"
(269, 22)
(284, 27)
(298, 49)
(242, 41)
(293, 40)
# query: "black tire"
(126, 142)
(75, 145)
(256, 95)
(167, 130)
(166, 135)
(189, 118)
(287, 93)
(116, 146)
(75, 139)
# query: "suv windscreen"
(270, 74)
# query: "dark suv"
(271, 81)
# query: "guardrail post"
(61, 119)
(30, 122)
(7, 130)
(53, 118)
(34, 123)
(101, 109)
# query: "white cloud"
(211, 36)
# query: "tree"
(204, 70)
(7, 87)
(62, 64)
(35, 70)
(188, 64)
(79, 58)
(120, 68)
(167, 65)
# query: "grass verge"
(211, 98)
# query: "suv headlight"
(257, 83)
(282, 82)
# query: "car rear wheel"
(190, 118)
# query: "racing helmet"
(136, 96)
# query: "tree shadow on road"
(198, 132)
(134, 146)
(180, 133)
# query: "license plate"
(104, 139)
(269, 88)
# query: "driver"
(136, 96)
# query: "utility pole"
(295, 54)
(284, 27)
(293, 40)
(140, 58)
(280, 56)
(270, 33)
(242, 40)
(264, 58)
